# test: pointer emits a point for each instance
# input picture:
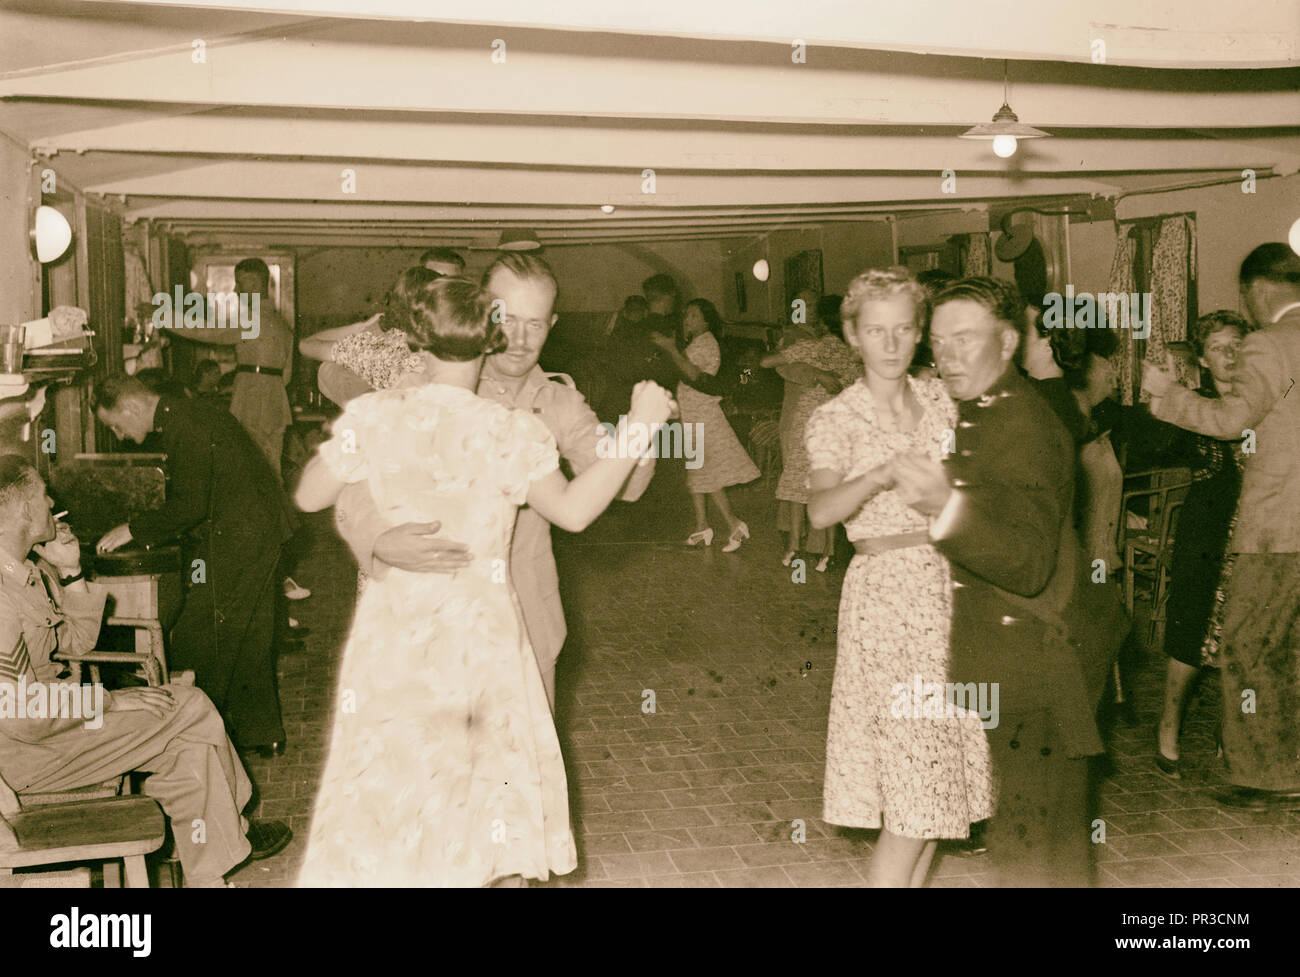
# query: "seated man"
(172, 732)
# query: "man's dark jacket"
(219, 486)
(1026, 613)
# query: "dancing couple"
(957, 497)
(444, 768)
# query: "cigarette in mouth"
(60, 515)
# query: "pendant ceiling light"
(1006, 129)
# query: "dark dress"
(1203, 523)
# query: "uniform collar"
(14, 569)
(1005, 385)
(163, 412)
(496, 384)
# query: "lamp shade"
(518, 239)
(52, 234)
(1005, 123)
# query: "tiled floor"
(693, 700)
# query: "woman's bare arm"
(318, 488)
(320, 345)
(573, 506)
(834, 499)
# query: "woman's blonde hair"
(875, 284)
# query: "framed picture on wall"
(803, 271)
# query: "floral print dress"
(889, 764)
(722, 459)
(444, 768)
(825, 353)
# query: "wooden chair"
(1148, 551)
(149, 661)
(765, 445)
(103, 829)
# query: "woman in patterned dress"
(444, 768)
(919, 772)
(722, 459)
(815, 366)
(381, 332)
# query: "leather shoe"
(267, 838)
(1254, 799)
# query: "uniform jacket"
(221, 492)
(260, 399)
(1025, 612)
(38, 618)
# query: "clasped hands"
(918, 481)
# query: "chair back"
(1159, 487)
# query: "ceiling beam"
(385, 183)
(564, 142)
(339, 64)
(1190, 33)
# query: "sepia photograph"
(735, 444)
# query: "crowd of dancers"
(949, 432)
(968, 449)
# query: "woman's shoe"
(788, 558)
(823, 563)
(1167, 766)
(701, 537)
(738, 535)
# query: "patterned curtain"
(976, 256)
(1169, 297)
(1121, 282)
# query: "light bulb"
(1294, 237)
(607, 208)
(761, 270)
(52, 234)
(1004, 146)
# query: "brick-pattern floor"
(693, 698)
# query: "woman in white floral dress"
(896, 758)
(444, 768)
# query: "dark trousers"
(1040, 836)
(226, 635)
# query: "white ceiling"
(446, 144)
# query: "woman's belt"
(882, 544)
(248, 368)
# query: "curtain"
(976, 256)
(1169, 297)
(1121, 282)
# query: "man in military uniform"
(1027, 618)
(231, 510)
(265, 363)
(527, 287)
(171, 732)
